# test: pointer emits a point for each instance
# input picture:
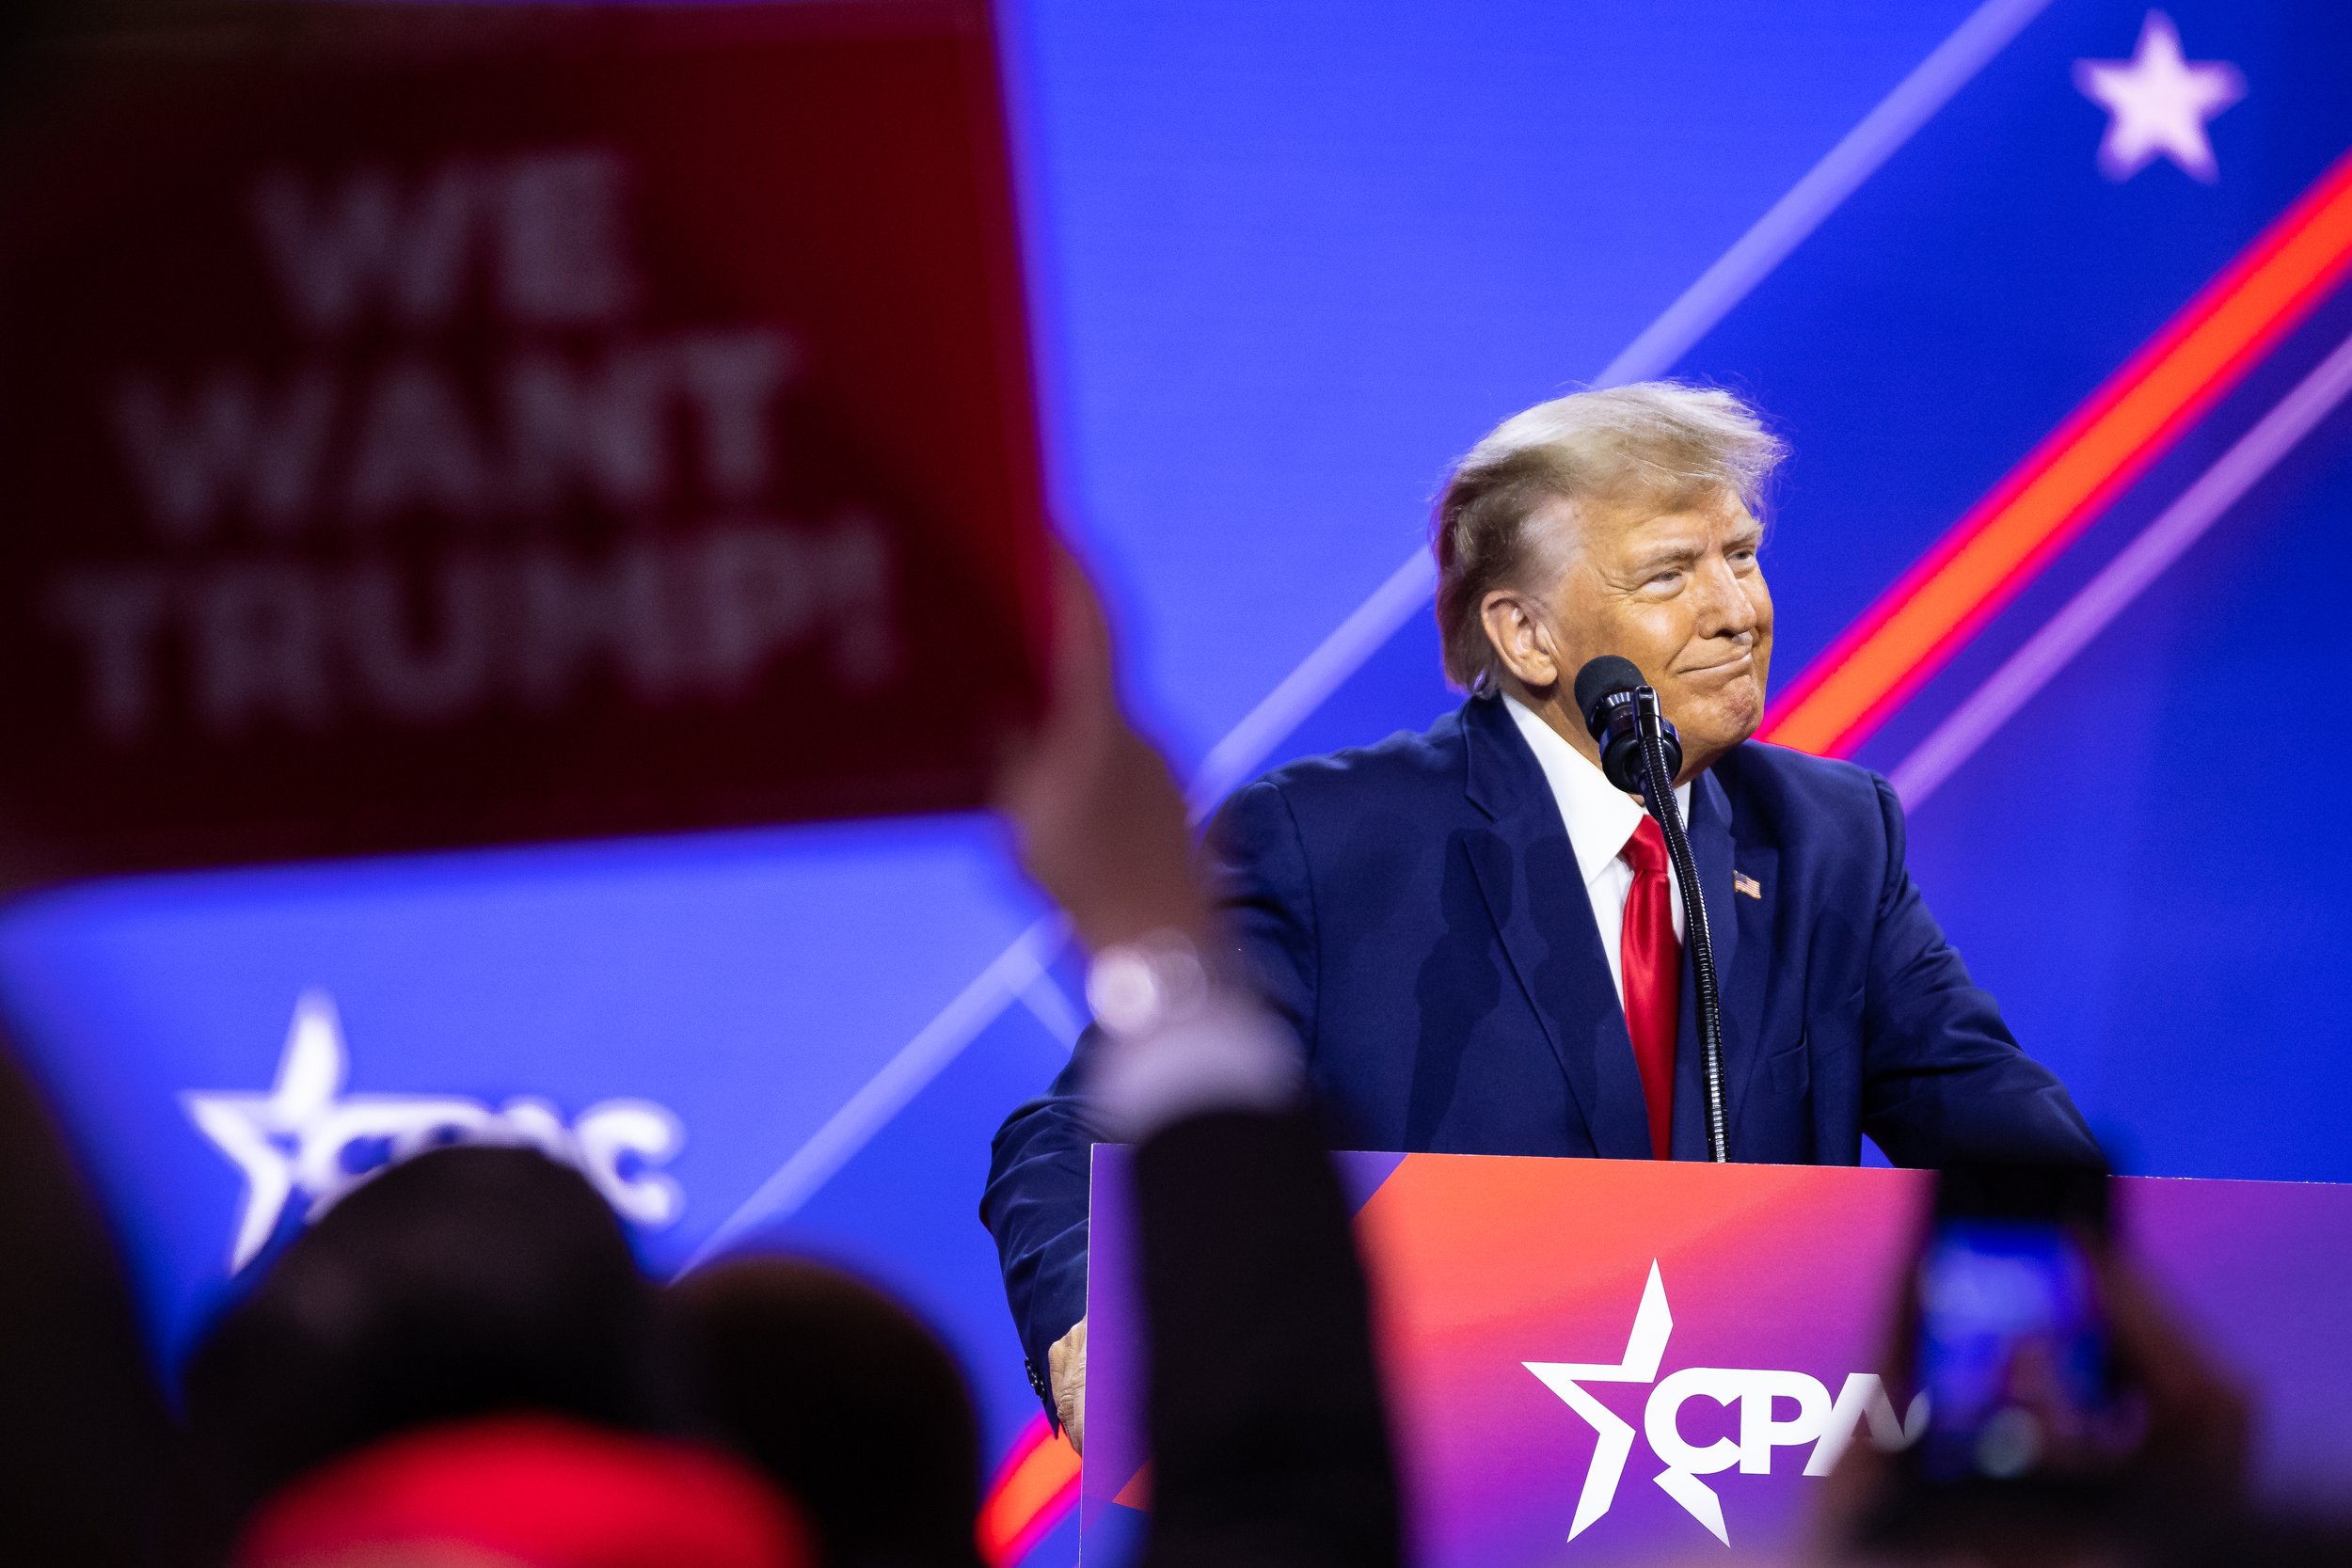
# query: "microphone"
(1618, 705)
(1641, 754)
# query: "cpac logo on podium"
(1828, 1425)
(305, 1139)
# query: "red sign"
(436, 428)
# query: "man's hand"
(1066, 1372)
(1096, 816)
(2192, 1459)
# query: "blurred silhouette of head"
(846, 1399)
(83, 1426)
(465, 1282)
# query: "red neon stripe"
(2048, 500)
(1034, 1490)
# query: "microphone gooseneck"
(1641, 754)
(1657, 790)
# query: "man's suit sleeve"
(1258, 872)
(1035, 1206)
(1944, 1080)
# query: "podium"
(1603, 1362)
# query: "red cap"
(535, 1491)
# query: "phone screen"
(2011, 1349)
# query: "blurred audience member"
(1268, 1431)
(465, 1282)
(2165, 1485)
(527, 1492)
(846, 1400)
(82, 1429)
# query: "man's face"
(1680, 594)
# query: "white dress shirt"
(1601, 820)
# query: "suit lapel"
(1533, 890)
(1740, 927)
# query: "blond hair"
(1660, 446)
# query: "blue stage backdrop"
(1289, 260)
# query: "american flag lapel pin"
(1742, 883)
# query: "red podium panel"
(1612, 1362)
(430, 426)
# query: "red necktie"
(1651, 958)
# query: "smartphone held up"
(2012, 1342)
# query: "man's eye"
(1665, 580)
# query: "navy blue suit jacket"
(1415, 911)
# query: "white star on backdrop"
(2157, 101)
(294, 1143)
(258, 1131)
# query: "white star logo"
(1644, 1347)
(2157, 101)
(1827, 1426)
(299, 1138)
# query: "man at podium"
(1477, 938)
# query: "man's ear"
(1519, 637)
